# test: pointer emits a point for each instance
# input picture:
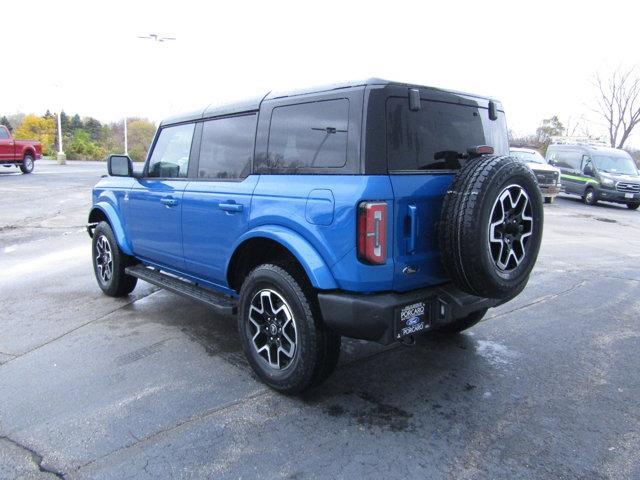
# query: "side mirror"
(119, 166)
(588, 170)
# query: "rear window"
(308, 136)
(226, 149)
(436, 136)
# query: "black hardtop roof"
(215, 110)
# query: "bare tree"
(619, 103)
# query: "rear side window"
(437, 135)
(170, 157)
(308, 136)
(226, 149)
(3, 134)
(566, 158)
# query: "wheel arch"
(272, 243)
(105, 212)
(29, 151)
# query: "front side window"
(308, 136)
(226, 149)
(3, 134)
(437, 136)
(170, 157)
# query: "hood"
(542, 167)
(621, 178)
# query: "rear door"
(216, 205)
(569, 162)
(154, 211)
(423, 155)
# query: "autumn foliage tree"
(38, 128)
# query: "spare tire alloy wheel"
(104, 259)
(490, 227)
(510, 228)
(272, 329)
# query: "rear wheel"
(549, 199)
(282, 335)
(109, 263)
(590, 196)
(633, 206)
(27, 164)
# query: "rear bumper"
(379, 317)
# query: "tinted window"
(170, 157)
(227, 147)
(3, 134)
(309, 135)
(566, 158)
(437, 135)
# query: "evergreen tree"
(5, 121)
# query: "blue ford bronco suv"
(374, 210)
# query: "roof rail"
(586, 141)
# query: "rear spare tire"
(491, 227)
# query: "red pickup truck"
(21, 153)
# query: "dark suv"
(374, 210)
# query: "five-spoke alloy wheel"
(510, 228)
(273, 328)
(104, 259)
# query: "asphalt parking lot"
(154, 386)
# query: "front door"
(154, 205)
(216, 206)
(6, 145)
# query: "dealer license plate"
(411, 319)
(628, 195)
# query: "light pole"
(62, 158)
(126, 146)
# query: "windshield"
(618, 164)
(533, 157)
(438, 136)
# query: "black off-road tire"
(119, 283)
(317, 347)
(590, 196)
(461, 324)
(465, 220)
(633, 206)
(27, 164)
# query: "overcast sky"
(537, 57)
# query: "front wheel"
(27, 164)
(590, 197)
(109, 263)
(633, 206)
(282, 335)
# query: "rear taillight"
(372, 232)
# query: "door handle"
(169, 201)
(231, 207)
(413, 228)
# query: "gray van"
(597, 173)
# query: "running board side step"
(221, 303)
